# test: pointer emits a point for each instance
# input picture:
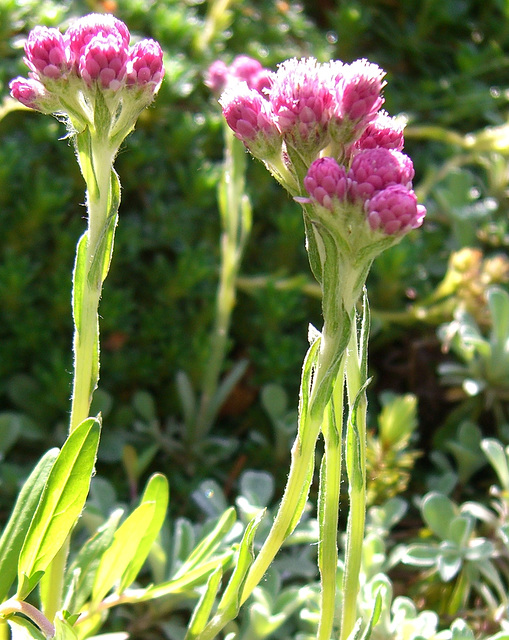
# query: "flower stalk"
(320, 131)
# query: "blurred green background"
(446, 66)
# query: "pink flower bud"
(104, 60)
(360, 90)
(30, 93)
(47, 54)
(301, 100)
(84, 29)
(250, 117)
(245, 68)
(217, 76)
(384, 131)
(375, 169)
(145, 65)
(326, 182)
(394, 210)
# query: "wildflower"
(394, 210)
(301, 101)
(359, 94)
(47, 54)
(326, 182)
(145, 66)
(250, 117)
(32, 94)
(216, 76)
(104, 59)
(375, 169)
(383, 131)
(84, 29)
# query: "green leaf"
(187, 397)
(498, 303)
(209, 544)
(80, 575)
(438, 512)
(116, 560)
(104, 249)
(229, 605)
(78, 278)
(156, 492)
(63, 630)
(375, 615)
(202, 610)
(61, 504)
(497, 456)
(22, 629)
(18, 524)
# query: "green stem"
(330, 484)
(236, 223)
(86, 340)
(356, 441)
(13, 606)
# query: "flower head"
(394, 210)
(301, 100)
(32, 94)
(245, 68)
(216, 76)
(84, 29)
(359, 94)
(375, 169)
(47, 54)
(104, 59)
(145, 66)
(250, 117)
(326, 182)
(383, 131)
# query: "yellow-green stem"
(357, 496)
(86, 340)
(330, 483)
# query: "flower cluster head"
(321, 130)
(67, 71)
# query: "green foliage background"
(446, 64)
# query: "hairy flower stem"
(328, 504)
(96, 159)
(355, 447)
(91, 266)
(314, 403)
(235, 212)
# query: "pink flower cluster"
(326, 118)
(95, 53)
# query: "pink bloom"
(84, 29)
(375, 169)
(29, 92)
(245, 68)
(359, 94)
(301, 100)
(383, 131)
(145, 64)
(217, 76)
(262, 81)
(326, 181)
(47, 54)
(394, 210)
(250, 117)
(104, 60)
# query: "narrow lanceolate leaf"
(60, 505)
(80, 576)
(202, 610)
(104, 249)
(64, 631)
(78, 278)
(122, 551)
(132, 541)
(229, 604)
(22, 629)
(206, 547)
(156, 492)
(16, 528)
